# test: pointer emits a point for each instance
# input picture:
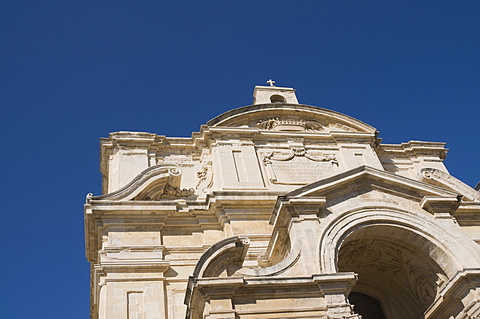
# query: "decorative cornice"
(306, 112)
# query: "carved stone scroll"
(205, 178)
(165, 188)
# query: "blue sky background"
(73, 71)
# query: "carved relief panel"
(297, 166)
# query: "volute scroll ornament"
(174, 171)
(88, 197)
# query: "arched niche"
(394, 267)
(402, 259)
(277, 99)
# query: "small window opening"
(277, 99)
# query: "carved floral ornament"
(159, 192)
(273, 123)
(308, 125)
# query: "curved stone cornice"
(231, 250)
(290, 117)
(154, 183)
(273, 270)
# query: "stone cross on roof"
(271, 82)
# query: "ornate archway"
(393, 267)
(406, 261)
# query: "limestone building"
(281, 210)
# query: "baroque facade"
(281, 210)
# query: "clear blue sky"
(73, 71)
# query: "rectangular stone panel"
(300, 170)
(135, 305)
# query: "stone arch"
(402, 259)
(226, 255)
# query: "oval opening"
(277, 99)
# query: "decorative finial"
(271, 82)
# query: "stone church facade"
(281, 210)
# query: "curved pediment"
(225, 255)
(365, 175)
(363, 179)
(290, 117)
(155, 183)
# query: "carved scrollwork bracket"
(205, 178)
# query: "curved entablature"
(155, 183)
(290, 117)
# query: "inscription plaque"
(300, 170)
(298, 166)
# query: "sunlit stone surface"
(280, 210)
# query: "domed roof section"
(272, 110)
